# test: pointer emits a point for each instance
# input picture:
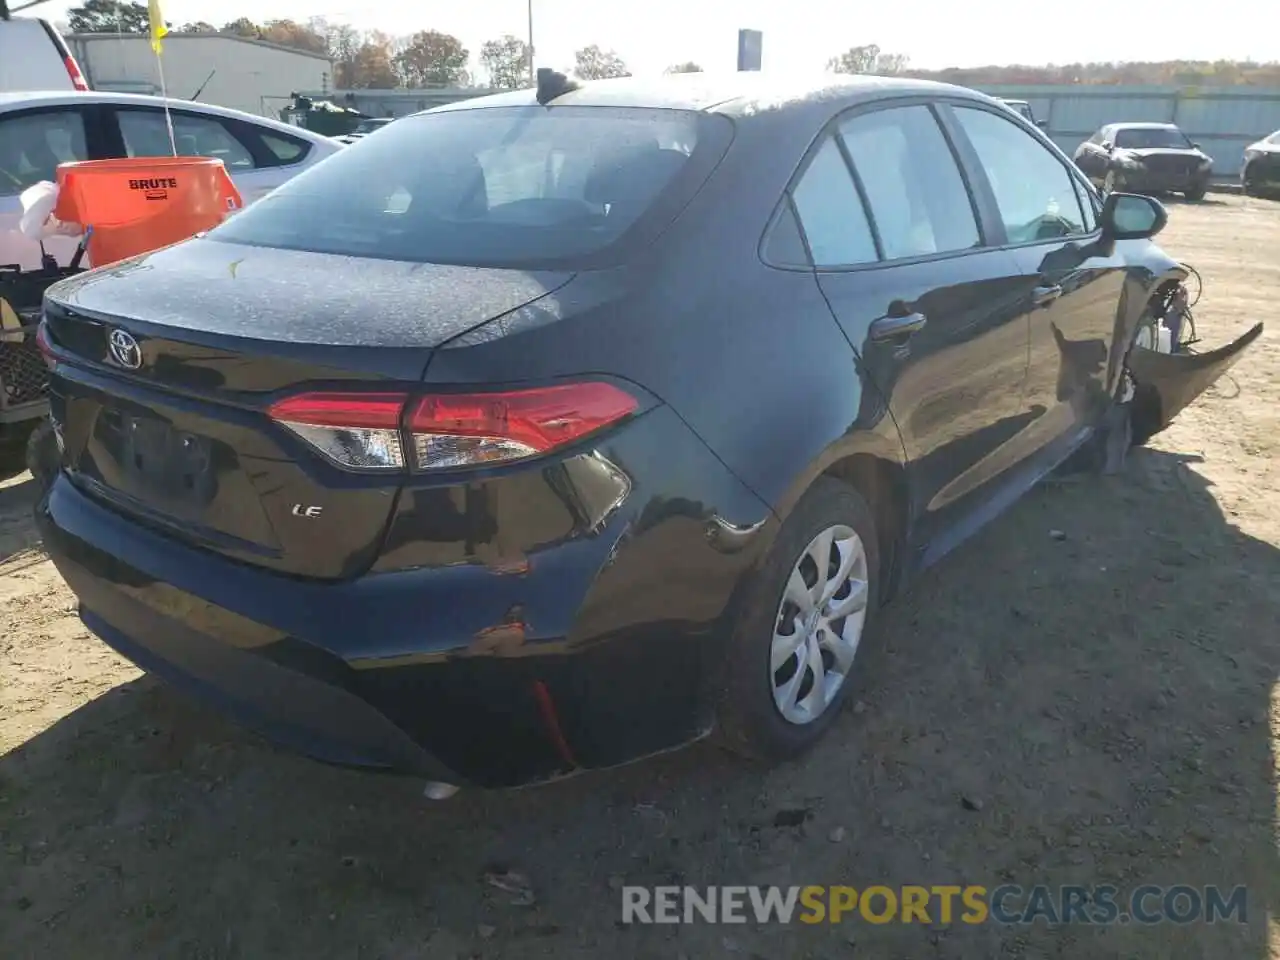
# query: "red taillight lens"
(453, 430)
(356, 430)
(73, 71)
(44, 346)
(458, 430)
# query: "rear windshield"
(1148, 138)
(496, 186)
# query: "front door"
(33, 141)
(935, 318)
(1072, 280)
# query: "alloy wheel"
(819, 624)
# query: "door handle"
(896, 328)
(1045, 294)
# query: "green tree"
(243, 27)
(592, 63)
(855, 60)
(868, 59)
(433, 59)
(109, 16)
(199, 26)
(506, 61)
(687, 67)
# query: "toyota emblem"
(125, 350)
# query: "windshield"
(494, 186)
(1144, 138)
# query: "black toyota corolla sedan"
(549, 430)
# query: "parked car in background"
(364, 128)
(1023, 109)
(542, 432)
(33, 56)
(40, 130)
(1260, 168)
(1145, 158)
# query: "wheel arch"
(875, 466)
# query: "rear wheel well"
(883, 485)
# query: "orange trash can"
(143, 203)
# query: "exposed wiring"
(1199, 283)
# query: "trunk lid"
(176, 433)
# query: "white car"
(42, 129)
(33, 56)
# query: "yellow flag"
(158, 30)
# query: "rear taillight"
(384, 431)
(73, 71)
(44, 346)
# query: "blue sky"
(798, 34)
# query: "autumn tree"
(109, 16)
(290, 33)
(433, 59)
(506, 61)
(373, 66)
(592, 63)
(687, 67)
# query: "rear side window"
(283, 149)
(146, 134)
(495, 186)
(831, 212)
(33, 144)
(918, 199)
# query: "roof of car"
(1143, 126)
(737, 94)
(57, 98)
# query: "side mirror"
(1195, 145)
(1130, 216)
(1107, 146)
(1042, 124)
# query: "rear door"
(33, 141)
(1072, 281)
(934, 317)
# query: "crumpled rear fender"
(1166, 383)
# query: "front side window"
(33, 144)
(917, 197)
(831, 212)
(1037, 197)
(146, 134)
(498, 186)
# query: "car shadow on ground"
(1091, 706)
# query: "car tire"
(42, 455)
(1196, 193)
(751, 721)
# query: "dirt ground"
(1105, 701)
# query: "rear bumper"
(596, 653)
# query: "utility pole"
(530, 51)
